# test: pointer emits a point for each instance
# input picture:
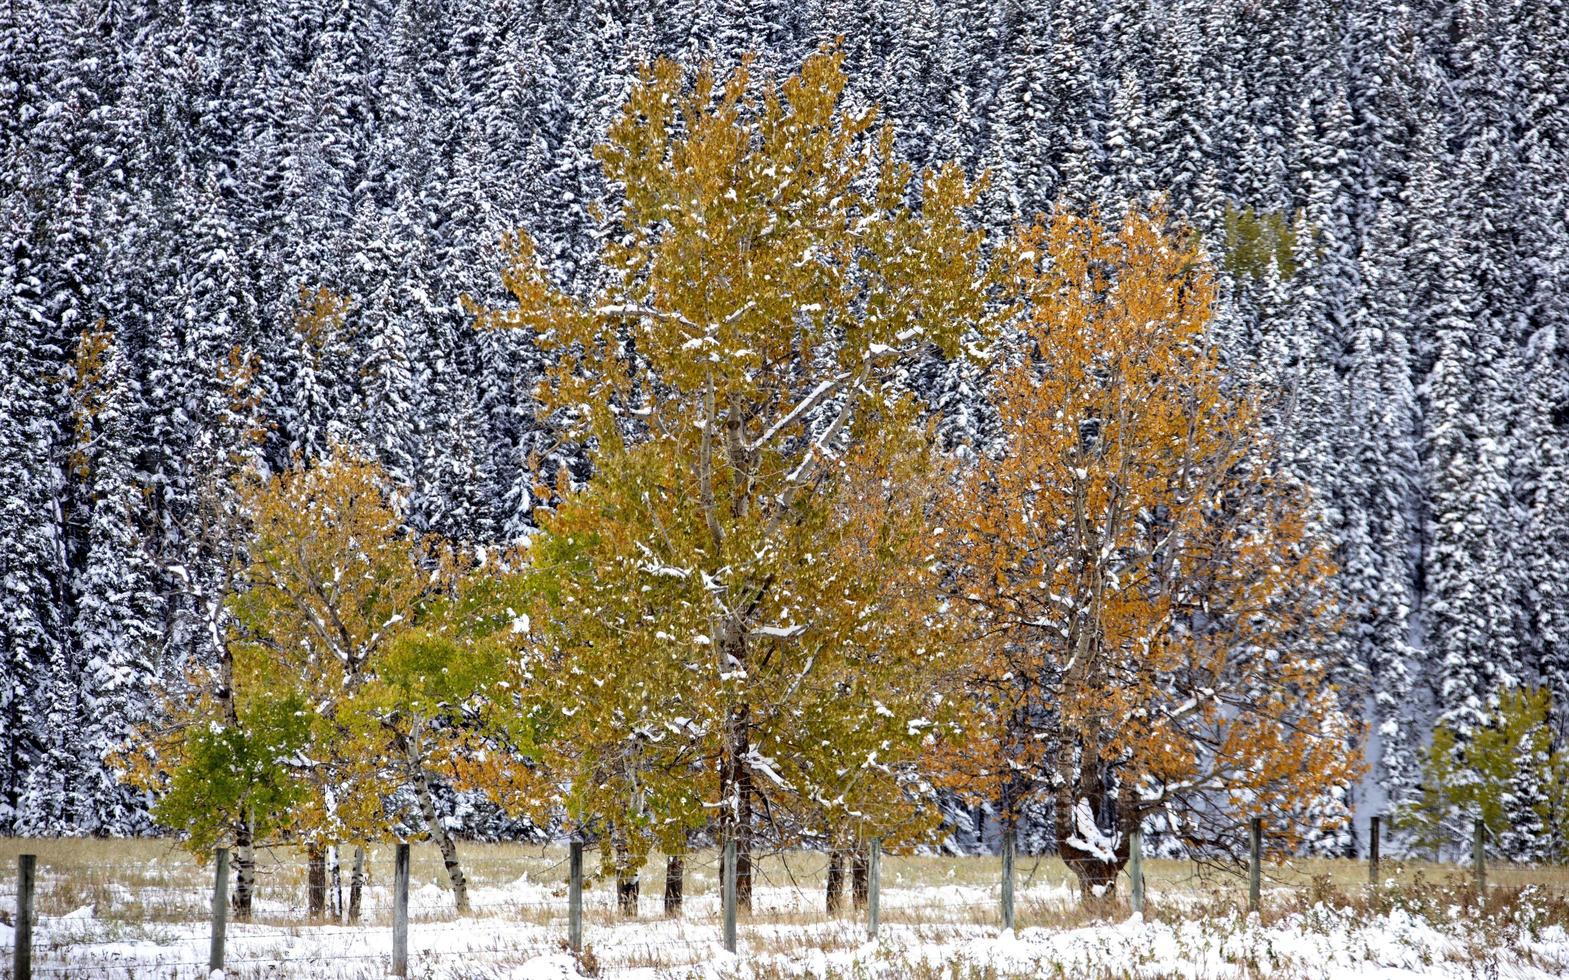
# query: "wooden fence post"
(1136, 870)
(575, 896)
(1255, 861)
(22, 957)
(1007, 879)
(400, 911)
(873, 885)
(1479, 857)
(727, 892)
(220, 908)
(1372, 851)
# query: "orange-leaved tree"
(1146, 596)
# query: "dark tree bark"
(859, 872)
(675, 884)
(316, 882)
(1090, 785)
(835, 889)
(736, 780)
(626, 879)
(743, 852)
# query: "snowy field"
(137, 911)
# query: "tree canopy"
(770, 270)
(1149, 602)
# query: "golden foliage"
(319, 317)
(744, 588)
(89, 393)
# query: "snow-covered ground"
(517, 932)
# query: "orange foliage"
(1146, 597)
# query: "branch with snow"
(814, 398)
(1088, 837)
(780, 632)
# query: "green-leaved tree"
(1508, 773)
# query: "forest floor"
(137, 910)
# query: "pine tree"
(1130, 141)
(112, 629)
(456, 478)
(1525, 804)
(1384, 482)
(31, 551)
(956, 125)
(1470, 620)
(1183, 118)
(1076, 103)
(1549, 571)
(1024, 178)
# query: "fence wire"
(791, 908)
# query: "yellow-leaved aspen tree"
(335, 593)
(769, 271)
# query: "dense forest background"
(1384, 185)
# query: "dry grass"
(155, 881)
(141, 889)
(152, 892)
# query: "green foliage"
(1255, 238)
(438, 691)
(360, 660)
(237, 774)
(1484, 775)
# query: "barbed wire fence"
(551, 935)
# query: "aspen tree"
(771, 269)
(392, 637)
(1147, 598)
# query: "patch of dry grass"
(155, 881)
(152, 892)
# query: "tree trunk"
(626, 878)
(835, 896)
(743, 849)
(337, 882)
(737, 818)
(443, 839)
(244, 833)
(1078, 823)
(859, 873)
(356, 884)
(675, 884)
(244, 872)
(626, 894)
(315, 882)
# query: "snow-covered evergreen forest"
(1384, 185)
